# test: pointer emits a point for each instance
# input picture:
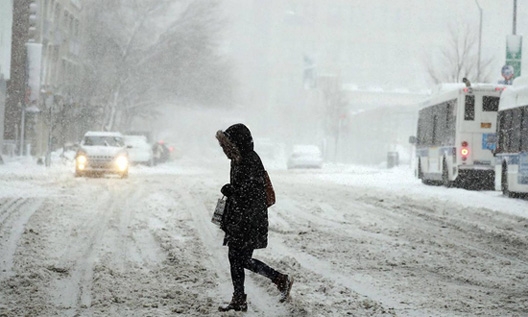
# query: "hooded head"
(235, 141)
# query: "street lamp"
(480, 41)
(33, 109)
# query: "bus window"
(490, 104)
(516, 130)
(469, 110)
(524, 129)
(450, 121)
(426, 124)
(420, 134)
(435, 132)
(506, 130)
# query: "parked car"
(162, 153)
(139, 150)
(101, 153)
(305, 156)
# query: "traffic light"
(33, 20)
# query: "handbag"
(270, 192)
(219, 211)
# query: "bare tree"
(458, 59)
(135, 62)
(335, 103)
(187, 61)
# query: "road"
(358, 242)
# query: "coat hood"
(240, 136)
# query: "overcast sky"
(391, 38)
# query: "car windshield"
(103, 141)
(306, 151)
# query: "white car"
(139, 150)
(305, 156)
(101, 153)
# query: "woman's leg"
(239, 299)
(237, 258)
(258, 266)
(241, 259)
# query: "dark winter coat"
(245, 220)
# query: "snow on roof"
(306, 148)
(451, 90)
(103, 133)
(515, 95)
(520, 81)
(448, 87)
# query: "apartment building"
(60, 40)
(6, 16)
(45, 68)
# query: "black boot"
(238, 303)
(284, 284)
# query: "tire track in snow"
(14, 216)
(324, 268)
(74, 293)
(454, 237)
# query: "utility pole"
(514, 31)
(480, 41)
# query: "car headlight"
(81, 161)
(122, 163)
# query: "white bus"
(457, 134)
(511, 155)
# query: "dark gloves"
(227, 190)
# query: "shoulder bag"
(270, 192)
(219, 211)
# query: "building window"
(65, 19)
(70, 26)
(56, 16)
(76, 28)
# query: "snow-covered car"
(101, 153)
(305, 156)
(139, 150)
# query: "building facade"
(45, 72)
(6, 21)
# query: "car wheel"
(445, 175)
(78, 174)
(504, 181)
(420, 173)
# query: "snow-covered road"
(359, 241)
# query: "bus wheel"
(504, 181)
(445, 176)
(420, 173)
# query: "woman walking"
(245, 220)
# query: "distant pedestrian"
(245, 220)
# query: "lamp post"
(514, 29)
(480, 41)
(22, 128)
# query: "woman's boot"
(238, 303)
(284, 284)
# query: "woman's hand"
(227, 190)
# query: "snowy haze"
(372, 45)
(359, 240)
(386, 40)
